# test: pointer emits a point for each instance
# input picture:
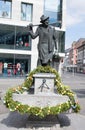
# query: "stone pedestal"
(43, 82)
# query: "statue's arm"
(32, 34)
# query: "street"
(77, 84)
(6, 83)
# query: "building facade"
(76, 57)
(18, 52)
(81, 56)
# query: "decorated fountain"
(49, 97)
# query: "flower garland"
(39, 111)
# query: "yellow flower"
(28, 108)
(40, 110)
(48, 111)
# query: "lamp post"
(73, 69)
(73, 63)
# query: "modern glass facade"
(5, 8)
(13, 38)
(53, 9)
(16, 50)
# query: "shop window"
(5, 8)
(12, 37)
(26, 11)
(14, 66)
(23, 41)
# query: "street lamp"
(73, 66)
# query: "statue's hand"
(30, 26)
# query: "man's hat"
(43, 18)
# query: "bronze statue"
(47, 40)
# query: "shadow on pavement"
(63, 120)
(16, 120)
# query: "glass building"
(18, 52)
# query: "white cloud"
(75, 12)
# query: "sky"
(75, 21)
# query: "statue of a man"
(47, 41)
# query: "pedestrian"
(18, 68)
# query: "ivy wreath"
(39, 111)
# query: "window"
(53, 9)
(12, 37)
(61, 42)
(26, 12)
(14, 65)
(5, 8)
(23, 41)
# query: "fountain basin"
(40, 99)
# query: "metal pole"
(41, 24)
(73, 69)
